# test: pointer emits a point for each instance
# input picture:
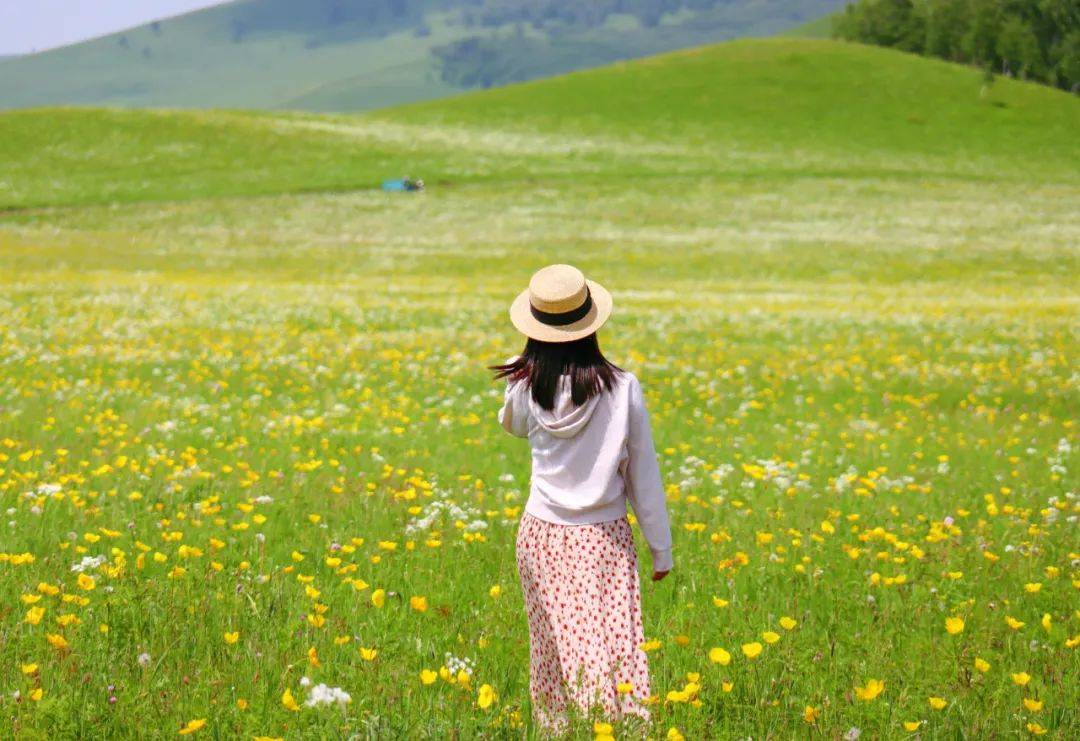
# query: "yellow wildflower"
(192, 726)
(486, 696)
(752, 650)
(873, 688)
(719, 656)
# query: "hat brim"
(530, 326)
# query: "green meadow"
(248, 440)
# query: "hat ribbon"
(563, 317)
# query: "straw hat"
(560, 305)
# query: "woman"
(592, 451)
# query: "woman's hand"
(658, 575)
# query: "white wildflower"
(320, 694)
(88, 563)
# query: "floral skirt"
(583, 602)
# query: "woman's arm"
(514, 414)
(645, 489)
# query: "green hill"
(814, 96)
(756, 109)
(340, 55)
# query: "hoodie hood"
(565, 420)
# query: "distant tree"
(946, 21)
(123, 42)
(1067, 67)
(980, 40)
(1034, 39)
(1058, 25)
(1018, 48)
(156, 28)
(237, 30)
(892, 23)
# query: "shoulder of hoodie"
(630, 382)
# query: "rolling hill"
(343, 55)
(744, 109)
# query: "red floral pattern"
(583, 601)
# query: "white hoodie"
(588, 461)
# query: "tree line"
(577, 15)
(1031, 39)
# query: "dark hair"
(541, 363)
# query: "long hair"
(541, 363)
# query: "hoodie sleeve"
(514, 413)
(645, 489)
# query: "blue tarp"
(400, 184)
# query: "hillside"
(808, 94)
(819, 28)
(344, 55)
(845, 109)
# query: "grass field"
(247, 437)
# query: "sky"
(36, 25)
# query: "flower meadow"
(253, 485)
